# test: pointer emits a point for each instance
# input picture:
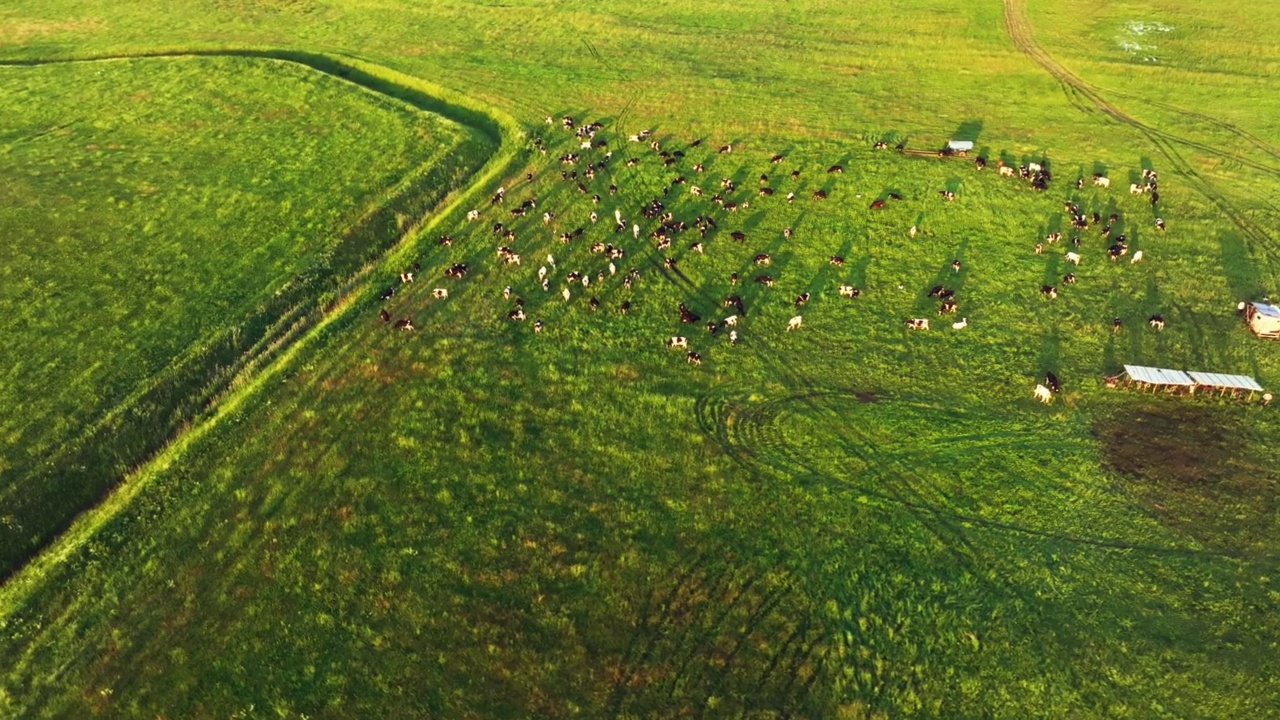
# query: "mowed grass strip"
(473, 518)
(163, 219)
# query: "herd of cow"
(587, 171)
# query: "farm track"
(1022, 34)
(249, 378)
(746, 431)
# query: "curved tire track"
(1021, 33)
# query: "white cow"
(473, 215)
(1044, 394)
(847, 291)
(1101, 181)
(795, 322)
(913, 231)
(542, 273)
(1006, 171)
(1137, 258)
(1073, 258)
(565, 294)
(962, 324)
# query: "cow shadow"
(1050, 355)
(968, 130)
(1241, 272)
(1052, 268)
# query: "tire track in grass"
(1021, 34)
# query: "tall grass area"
(848, 520)
(165, 221)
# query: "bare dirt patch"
(1198, 468)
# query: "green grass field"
(161, 216)
(849, 520)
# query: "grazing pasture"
(165, 221)
(537, 504)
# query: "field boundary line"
(452, 105)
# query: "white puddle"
(1136, 30)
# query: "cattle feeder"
(1153, 379)
(1263, 319)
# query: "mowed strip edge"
(423, 94)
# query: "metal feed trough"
(1175, 381)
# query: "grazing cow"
(405, 324)
(980, 162)
(406, 277)
(516, 315)
(849, 291)
(473, 215)
(1156, 321)
(1118, 250)
(387, 294)
(794, 323)
(625, 307)
(878, 204)
(947, 307)
(777, 159)
(1116, 325)
(881, 145)
(956, 265)
(1160, 223)
(1101, 181)
(1073, 258)
(566, 294)
(939, 291)
(918, 324)
(913, 231)
(693, 358)
(537, 326)
(678, 341)
(948, 195)
(1155, 197)
(712, 327)
(688, 316)
(670, 263)
(1039, 248)
(835, 170)
(766, 192)
(1135, 189)
(386, 316)
(699, 168)
(1049, 291)
(1034, 167)
(726, 148)
(820, 195)
(895, 196)
(765, 280)
(1052, 381)
(763, 259)
(795, 174)
(1266, 399)
(1069, 279)
(1137, 258)
(733, 278)
(961, 324)
(695, 190)
(440, 293)
(733, 337)
(837, 261)
(738, 235)
(802, 298)
(696, 247)
(1043, 394)
(1052, 238)
(787, 232)
(1006, 171)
